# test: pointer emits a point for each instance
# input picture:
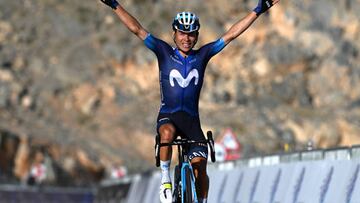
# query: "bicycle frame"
(184, 163)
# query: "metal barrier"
(113, 191)
(315, 176)
(355, 152)
(311, 176)
(22, 194)
(324, 176)
(343, 153)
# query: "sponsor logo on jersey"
(176, 59)
(192, 61)
(183, 82)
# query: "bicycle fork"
(184, 183)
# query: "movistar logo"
(183, 82)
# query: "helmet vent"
(186, 22)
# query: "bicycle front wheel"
(188, 196)
(177, 185)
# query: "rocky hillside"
(77, 85)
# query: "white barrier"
(137, 187)
(248, 185)
(341, 178)
(315, 182)
(152, 188)
(232, 186)
(335, 179)
(353, 186)
(268, 184)
(217, 183)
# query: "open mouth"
(186, 45)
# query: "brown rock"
(86, 98)
(22, 162)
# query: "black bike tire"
(188, 190)
(177, 185)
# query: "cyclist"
(181, 77)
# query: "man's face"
(185, 41)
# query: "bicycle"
(184, 179)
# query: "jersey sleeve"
(213, 48)
(154, 44)
(150, 42)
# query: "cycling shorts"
(188, 127)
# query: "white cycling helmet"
(186, 22)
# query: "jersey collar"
(181, 56)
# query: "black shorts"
(188, 127)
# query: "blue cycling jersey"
(181, 78)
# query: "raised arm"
(239, 27)
(128, 20)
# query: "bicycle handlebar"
(211, 145)
(182, 142)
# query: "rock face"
(77, 86)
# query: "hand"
(264, 5)
(112, 3)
